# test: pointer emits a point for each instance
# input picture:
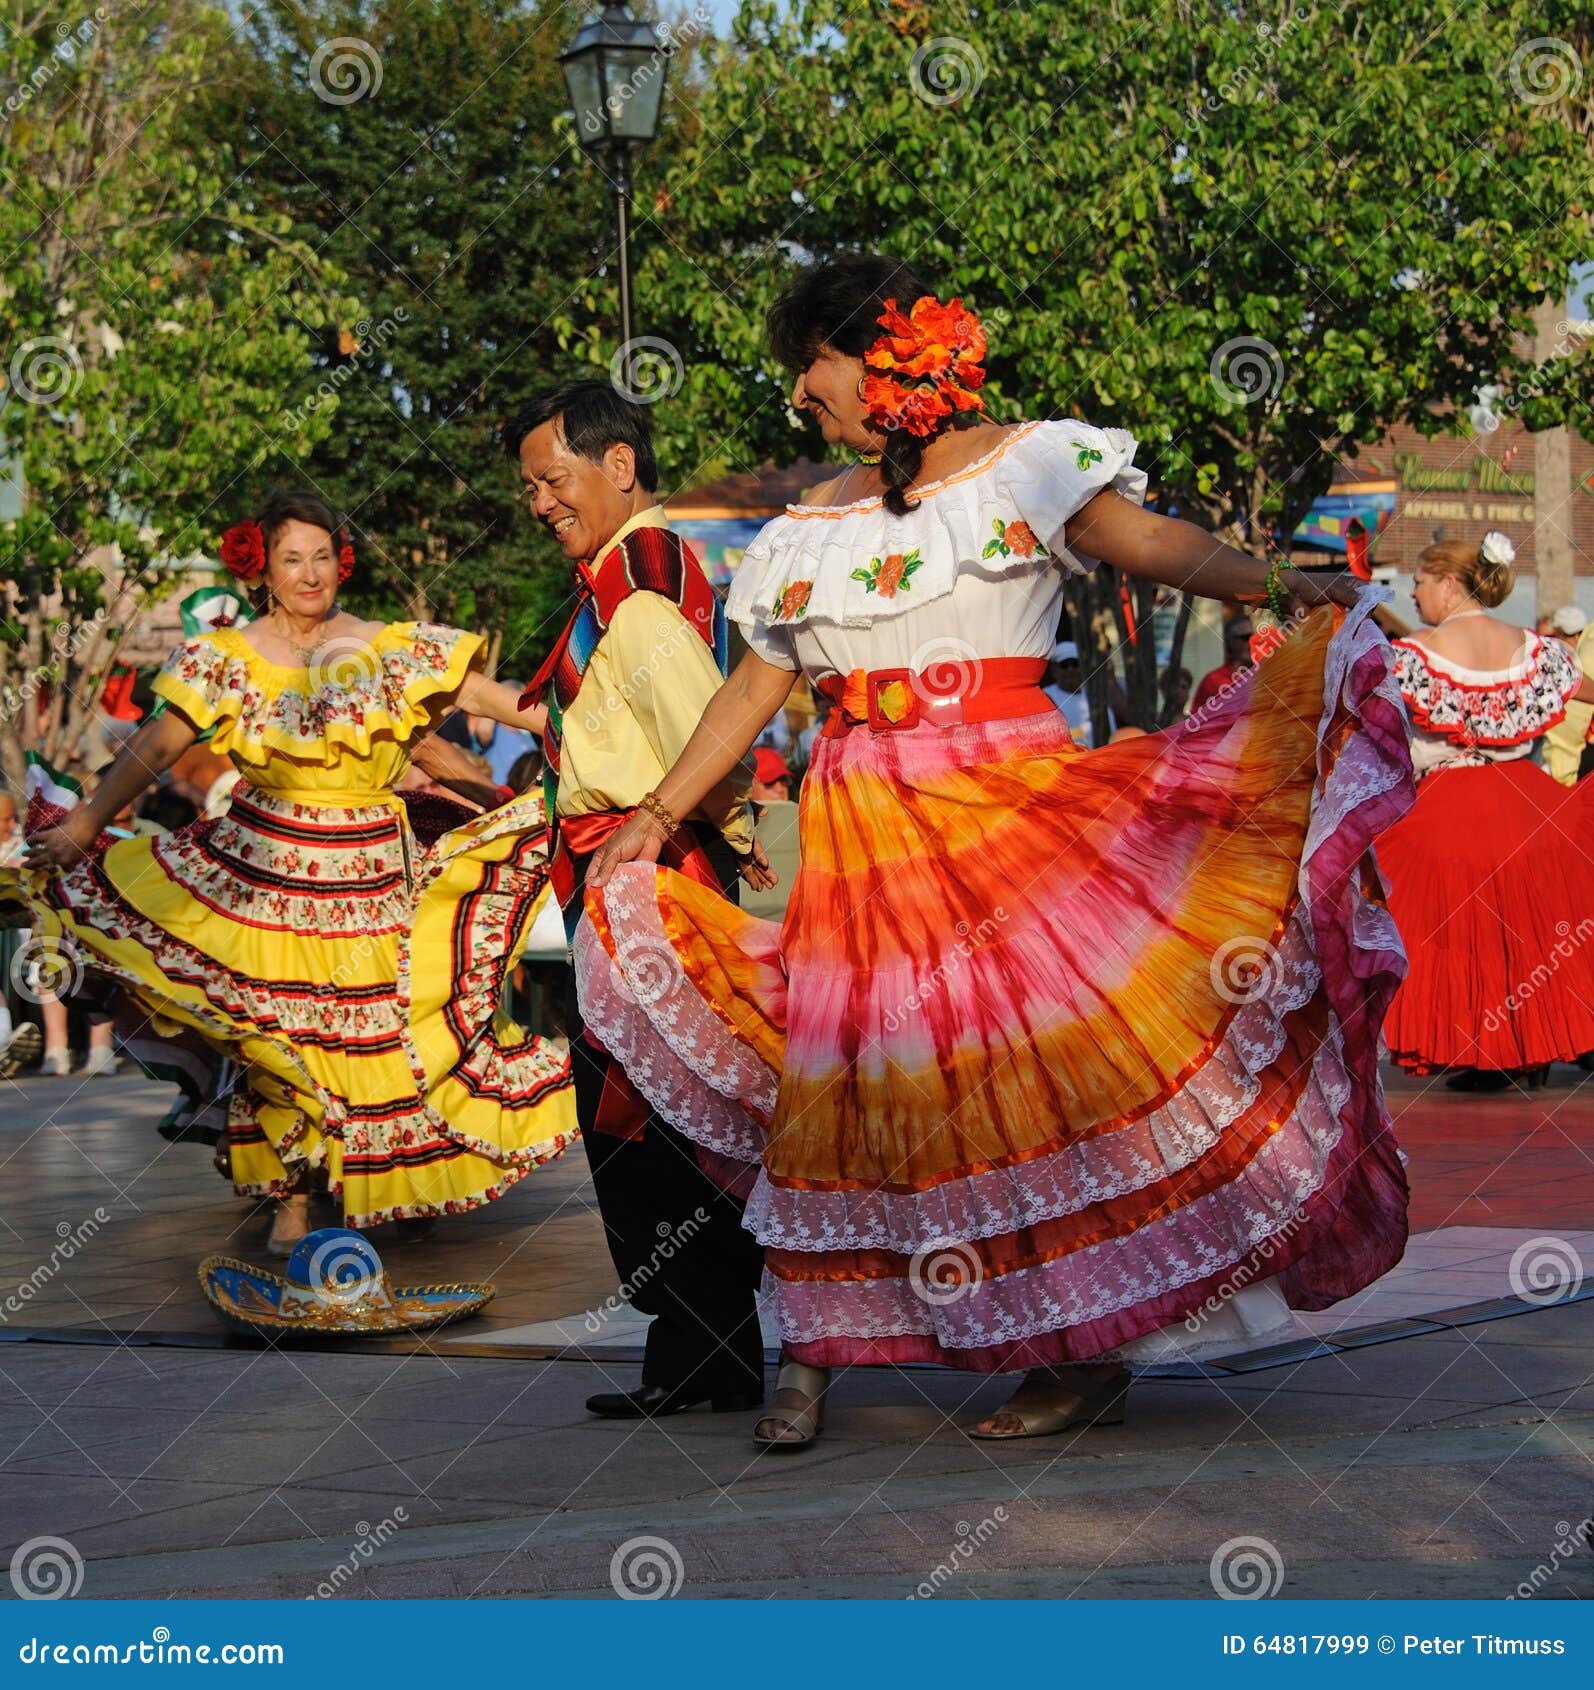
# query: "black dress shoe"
(1479, 1079)
(653, 1400)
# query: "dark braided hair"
(837, 303)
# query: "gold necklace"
(304, 653)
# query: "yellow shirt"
(641, 697)
(1563, 744)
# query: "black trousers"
(677, 1240)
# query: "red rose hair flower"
(243, 550)
(925, 367)
(345, 557)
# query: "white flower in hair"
(1496, 548)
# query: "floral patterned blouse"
(342, 725)
(1463, 718)
(976, 570)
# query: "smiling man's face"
(582, 503)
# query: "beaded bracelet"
(1278, 600)
(651, 804)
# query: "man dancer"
(625, 685)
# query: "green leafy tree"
(1254, 235)
(151, 327)
(426, 146)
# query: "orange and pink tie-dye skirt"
(1053, 1048)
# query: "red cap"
(769, 765)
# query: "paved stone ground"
(1457, 1463)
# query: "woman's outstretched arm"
(152, 750)
(1178, 554)
(732, 720)
(481, 697)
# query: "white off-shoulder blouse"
(977, 570)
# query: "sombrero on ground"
(334, 1287)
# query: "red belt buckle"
(878, 678)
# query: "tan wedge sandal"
(292, 1222)
(798, 1406)
(1103, 1404)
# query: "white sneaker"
(100, 1061)
(57, 1064)
(20, 1049)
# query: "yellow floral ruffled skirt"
(355, 978)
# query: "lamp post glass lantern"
(614, 71)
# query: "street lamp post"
(614, 70)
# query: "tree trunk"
(1552, 481)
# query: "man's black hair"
(594, 418)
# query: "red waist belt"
(580, 836)
(976, 689)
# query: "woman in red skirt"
(1492, 871)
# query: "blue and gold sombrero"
(334, 1287)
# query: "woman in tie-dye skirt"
(1059, 1059)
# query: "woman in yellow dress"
(355, 977)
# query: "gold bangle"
(650, 804)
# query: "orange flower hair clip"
(925, 367)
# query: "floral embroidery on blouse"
(1507, 712)
(792, 601)
(1087, 455)
(884, 575)
(383, 678)
(1013, 539)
